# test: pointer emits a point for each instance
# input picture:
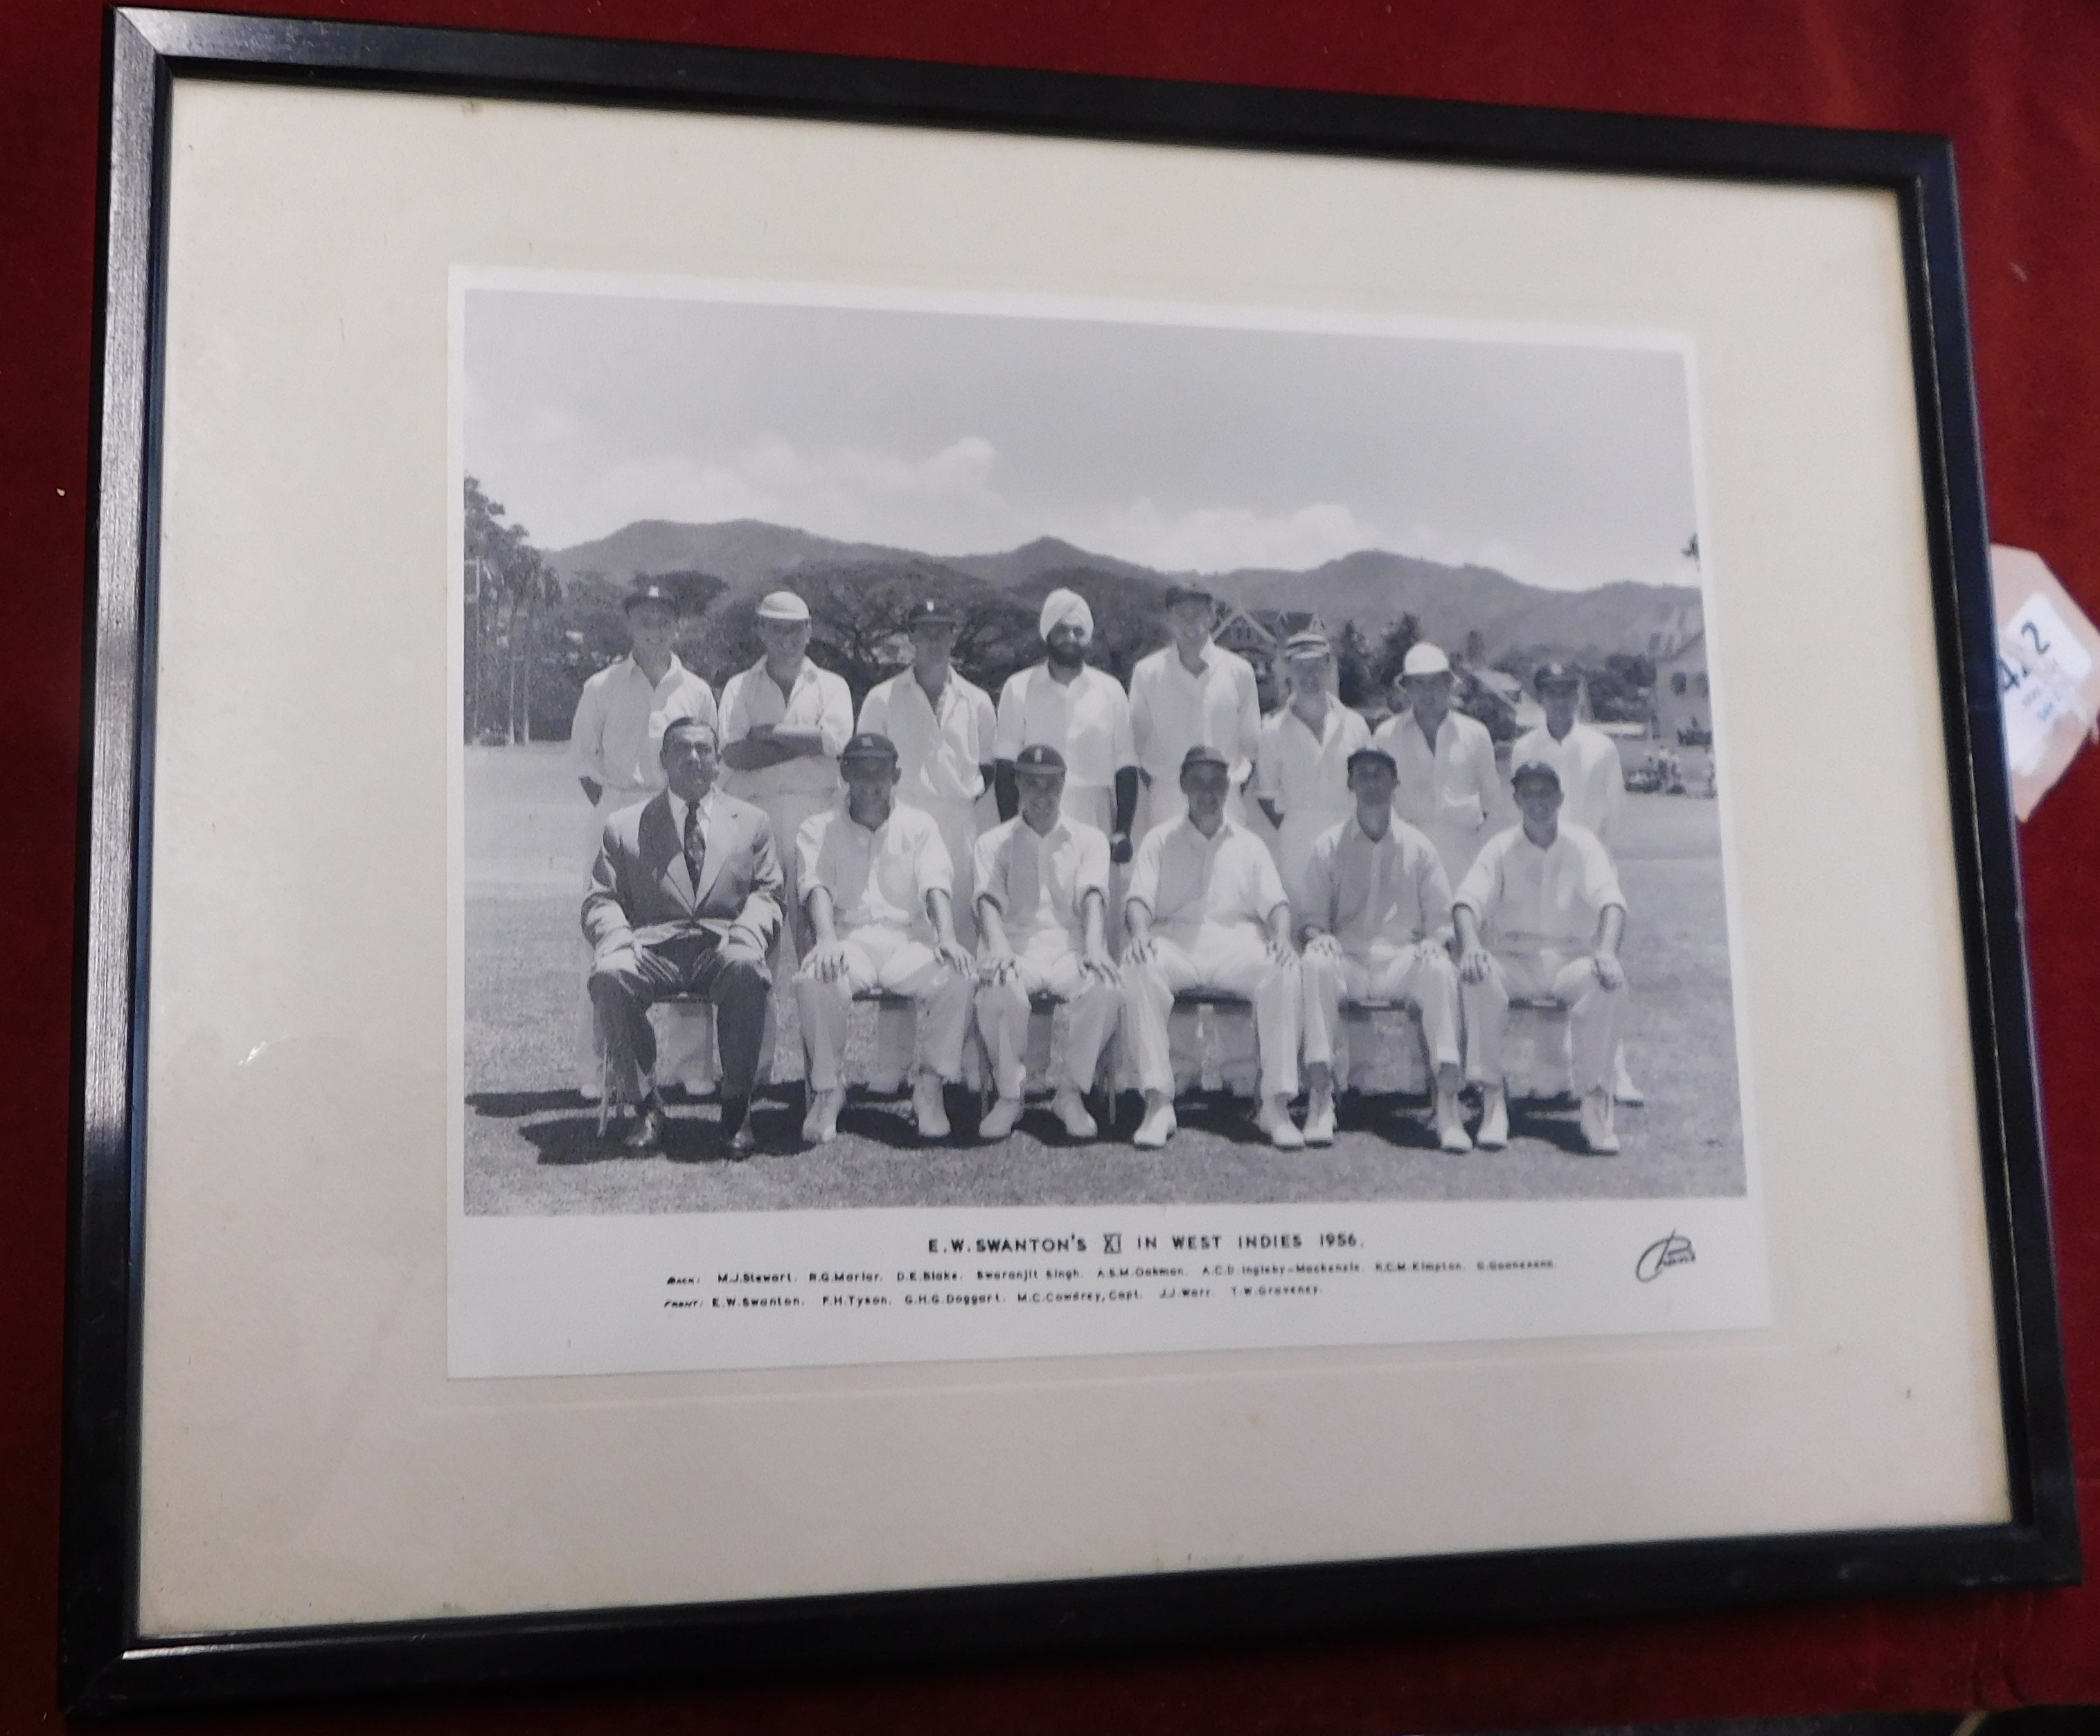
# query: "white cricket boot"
(1493, 1133)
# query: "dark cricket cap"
(1188, 593)
(649, 594)
(869, 745)
(1203, 754)
(1372, 756)
(1555, 675)
(1535, 769)
(1041, 757)
(1310, 642)
(932, 612)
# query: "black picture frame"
(106, 1665)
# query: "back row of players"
(897, 889)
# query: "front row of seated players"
(685, 900)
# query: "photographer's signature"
(1659, 1256)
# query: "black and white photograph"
(933, 751)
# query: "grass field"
(531, 1144)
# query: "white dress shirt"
(818, 700)
(939, 748)
(1455, 786)
(1362, 889)
(1040, 881)
(617, 739)
(1306, 772)
(1172, 710)
(877, 877)
(1193, 885)
(1530, 900)
(1086, 719)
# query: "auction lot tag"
(2048, 652)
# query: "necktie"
(696, 849)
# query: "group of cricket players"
(1128, 868)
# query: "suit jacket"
(640, 890)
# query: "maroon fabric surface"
(2012, 82)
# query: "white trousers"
(1232, 961)
(1569, 978)
(1049, 964)
(1422, 975)
(685, 1045)
(890, 960)
(894, 1027)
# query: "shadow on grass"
(511, 1106)
(1551, 1121)
(1398, 1119)
(565, 1136)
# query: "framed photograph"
(1466, 632)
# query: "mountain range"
(1371, 587)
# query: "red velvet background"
(2014, 81)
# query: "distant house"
(1683, 702)
(1245, 634)
(1259, 635)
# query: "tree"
(1393, 645)
(1354, 673)
(508, 585)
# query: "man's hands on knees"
(617, 960)
(1473, 964)
(827, 961)
(1325, 947)
(1610, 972)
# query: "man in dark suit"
(684, 899)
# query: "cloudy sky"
(1184, 447)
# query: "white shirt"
(1172, 710)
(1086, 719)
(1530, 900)
(939, 748)
(1360, 888)
(1191, 883)
(1456, 786)
(617, 737)
(818, 700)
(878, 878)
(1593, 782)
(1040, 881)
(1306, 774)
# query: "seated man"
(1540, 913)
(876, 883)
(1375, 922)
(1043, 888)
(1207, 910)
(684, 899)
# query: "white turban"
(1060, 606)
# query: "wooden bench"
(976, 1068)
(1537, 1062)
